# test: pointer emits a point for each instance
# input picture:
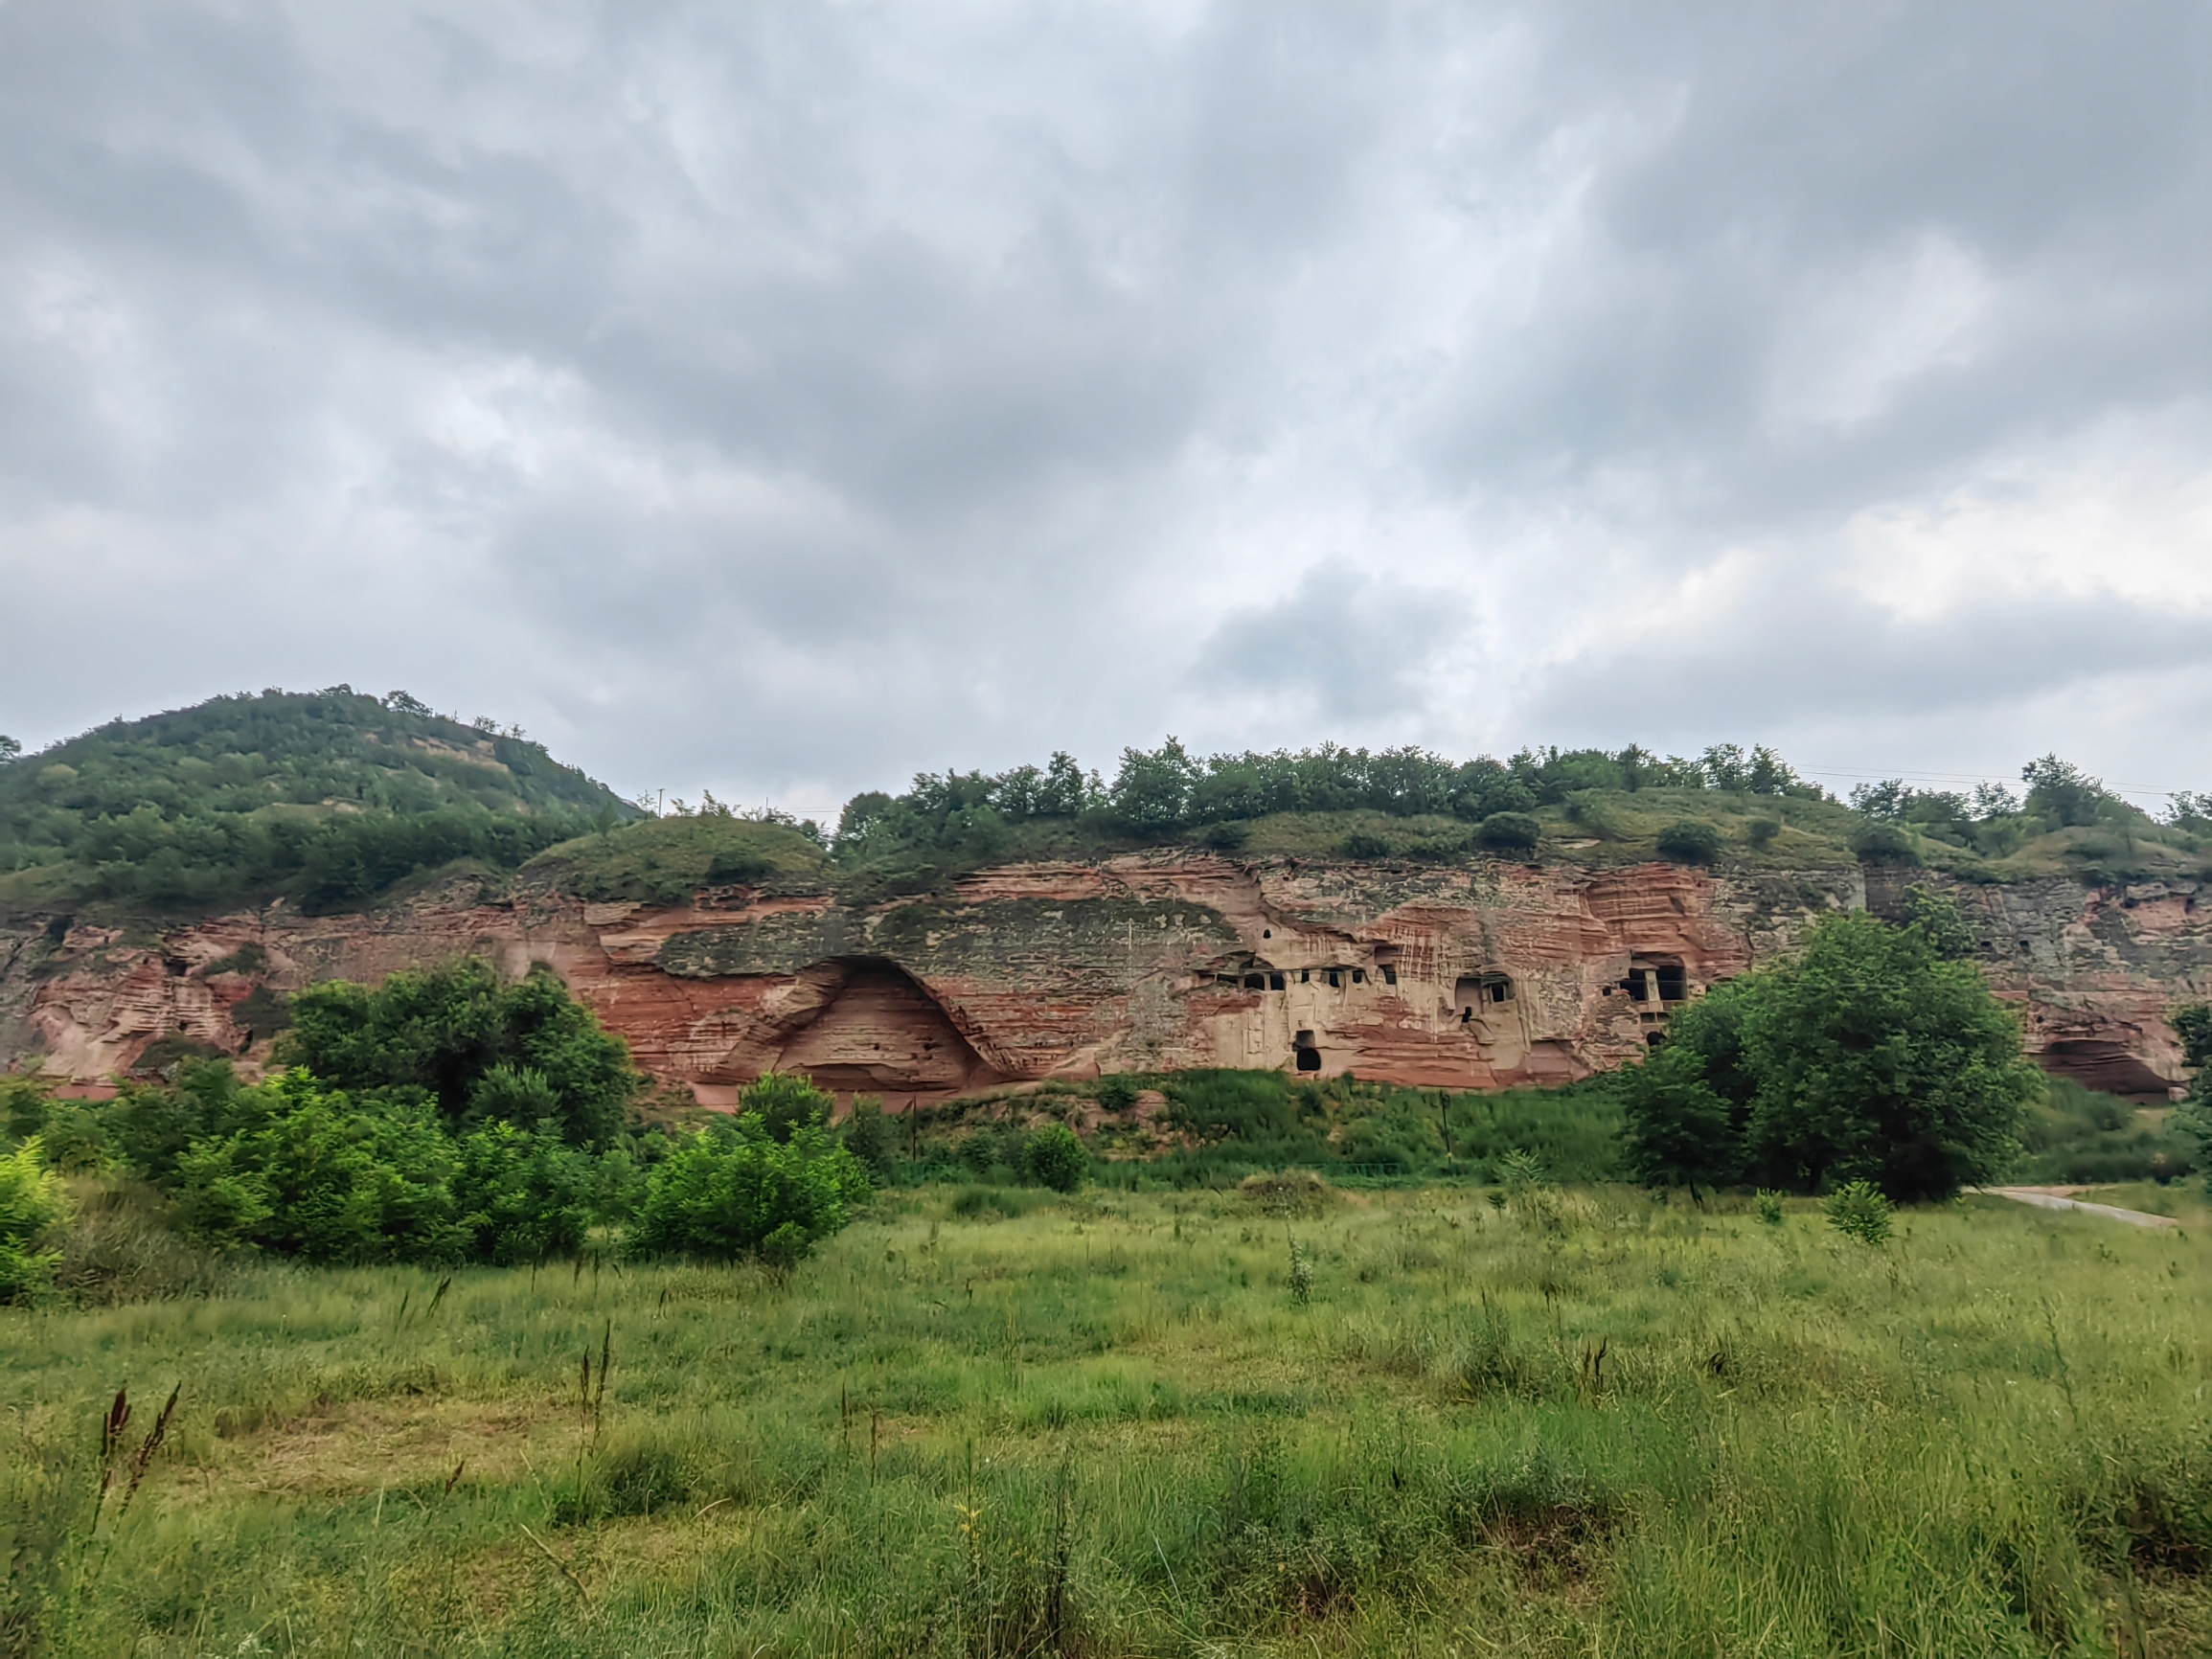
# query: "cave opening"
(879, 1032)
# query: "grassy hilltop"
(325, 797)
(1411, 1424)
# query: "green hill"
(325, 797)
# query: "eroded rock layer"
(1467, 978)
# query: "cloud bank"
(783, 399)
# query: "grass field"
(1125, 1423)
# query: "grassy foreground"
(1583, 1424)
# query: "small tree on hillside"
(1679, 1132)
(1877, 1060)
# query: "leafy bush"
(1690, 841)
(1510, 832)
(785, 1102)
(1117, 1092)
(32, 1202)
(1519, 1171)
(2078, 1134)
(1761, 832)
(1859, 1210)
(1883, 843)
(1055, 1158)
(734, 1190)
(1766, 1205)
(1365, 844)
(870, 1137)
(326, 1178)
(521, 1196)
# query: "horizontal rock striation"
(1479, 977)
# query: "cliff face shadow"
(876, 1030)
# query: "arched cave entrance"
(2101, 1063)
(879, 1031)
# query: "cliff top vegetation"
(332, 798)
(1729, 806)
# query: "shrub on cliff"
(482, 1049)
(1883, 843)
(1690, 841)
(1871, 1057)
(1509, 832)
(733, 1190)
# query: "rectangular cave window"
(1304, 976)
(1335, 980)
(1308, 1056)
(1255, 982)
(1390, 974)
(1360, 976)
(1276, 981)
(1674, 982)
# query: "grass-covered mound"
(327, 797)
(1582, 1423)
(667, 861)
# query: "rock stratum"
(1480, 977)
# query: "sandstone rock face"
(1481, 977)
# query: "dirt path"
(2054, 1198)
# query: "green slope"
(326, 797)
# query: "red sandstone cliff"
(1470, 978)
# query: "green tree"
(318, 1175)
(1936, 915)
(785, 1102)
(2064, 795)
(481, 1047)
(1053, 1157)
(733, 1190)
(521, 1196)
(870, 1137)
(1678, 1130)
(1877, 1060)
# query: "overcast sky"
(783, 399)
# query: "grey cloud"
(794, 396)
(1342, 647)
(1790, 656)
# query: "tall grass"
(1583, 1423)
